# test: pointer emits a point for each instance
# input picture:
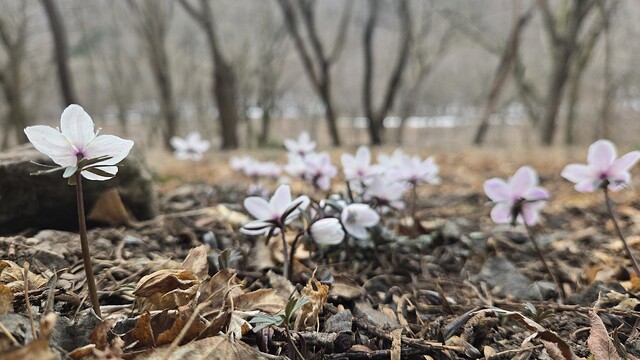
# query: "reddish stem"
(607, 200)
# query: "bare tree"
(316, 61)
(564, 30)
(581, 62)
(604, 130)
(507, 59)
(424, 61)
(11, 74)
(154, 18)
(224, 81)
(61, 52)
(376, 116)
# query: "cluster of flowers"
(370, 187)
(519, 199)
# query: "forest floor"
(453, 286)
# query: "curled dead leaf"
(317, 293)
(167, 289)
(599, 342)
(11, 276)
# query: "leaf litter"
(188, 285)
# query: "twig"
(25, 279)
(544, 262)
(512, 351)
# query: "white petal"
(501, 213)
(258, 208)
(178, 143)
(579, 173)
(358, 232)
(77, 126)
(601, 154)
(523, 180)
(497, 190)
(113, 170)
(108, 145)
(52, 143)
(280, 200)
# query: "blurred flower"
(356, 218)
(319, 171)
(239, 163)
(391, 162)
(267, 169)
(192, 147)
(303, 146)
(257, 189)
(415, 171)
(386, 192)
(77, 140)
(518, 199)
(359, 167)
(327, 231)
(273, 215)
(296, 166)
(602, 168)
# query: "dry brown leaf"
(212, 348)
(308, 314)
(100, 335)
(280, 283)
(11, 275)
(553, 350)
(260, 257)
(35, 350)
(168, 324)
(599, 342)
(346, 288)
(222, 285)
(265, 300)
(197, 261)
(167, 289)
(6, 300)
(109, 209)
(142, 334)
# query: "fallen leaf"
(265, 300)
(6, 300)
(167, 289)
(198, 261)
(100, 335)
(346, 288)
(212, 348)
(142, 334)
(599, 342)
(309, 313)
(11, 275)
(168, 324)
(35, 350)
(109, 209)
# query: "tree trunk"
(61, 54)
(554, 98)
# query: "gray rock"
(47, 201)
(503, 278)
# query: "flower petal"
(537, 193)
(258, 208)
(530, 213)
(578, 173)
(77, 126)
(178, 143)
(302, 202)
(501, 213)
(368, 217)
(280, 200)
(523, 180)
(587, 186)
(601, 154)
(619, 169)
(497, 190)
(355, 230)
(52, 143)
(113, 170)
(108, 145)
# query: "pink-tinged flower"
(356, 218)
(192, 147)
(303, 146)
(327, 231)
(268, 169)
(296, 166)
(359, 167)
(76, 140)
(386, 192)
(415, 171)
(602, 168)
(275, 214)
(519, 196)
(393, 161)
(319, 171)
(240, 163)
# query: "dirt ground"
(453, 286)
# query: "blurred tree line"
(226, 66)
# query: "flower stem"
(544, 262)
(86, 253)
(607, 200)
(414, 203)
(285, 255)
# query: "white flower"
(78, 140)
(303, 146)
(356, 218)
(240, 163)
(414, 170)
(393, 161)
(267, 169)
(270, 215)
(386, 192)
(319, 171)
(327, 231)
(192, 147)
(296, 166)
(359, 167)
